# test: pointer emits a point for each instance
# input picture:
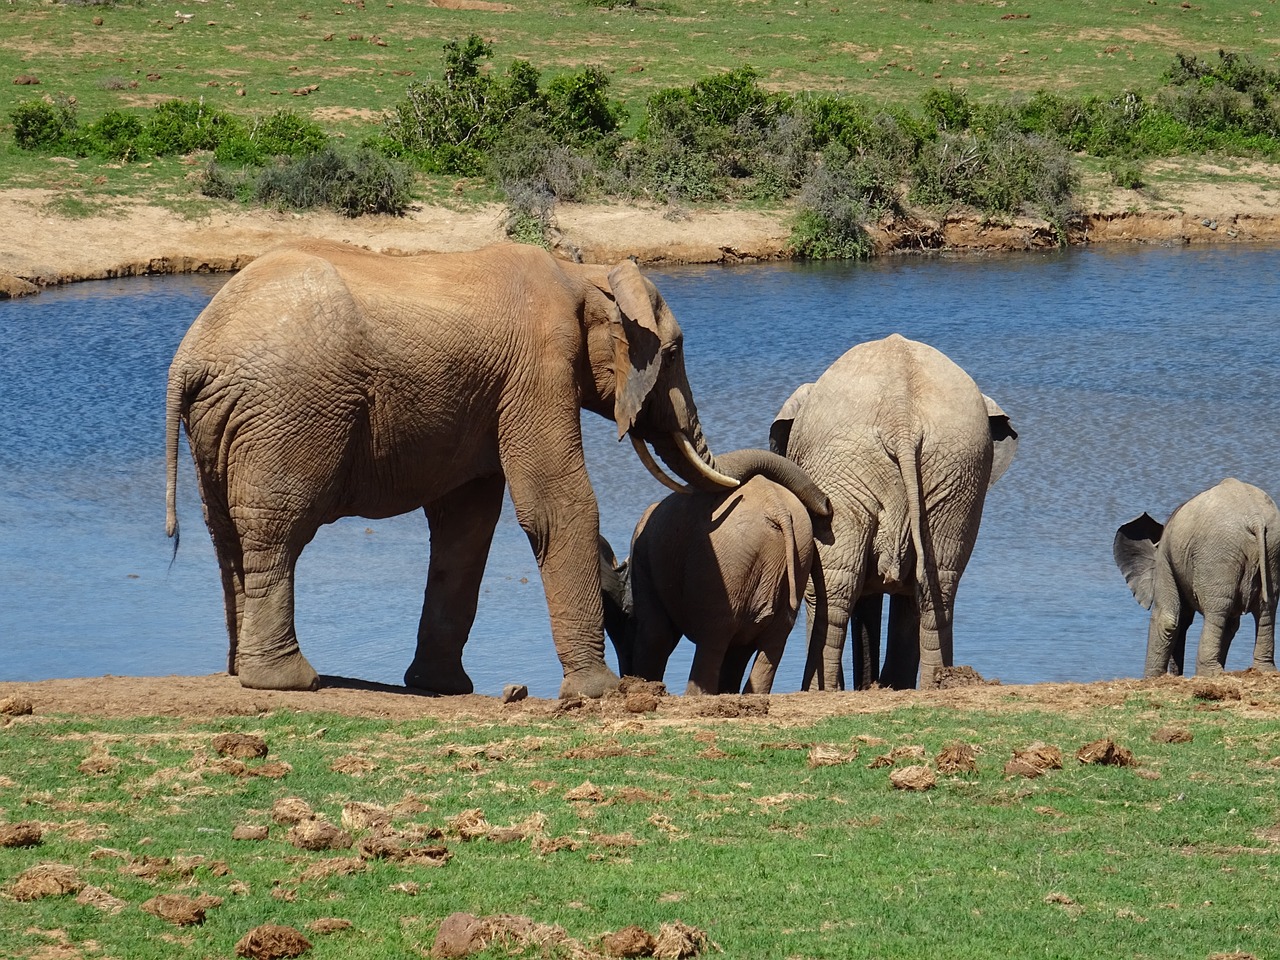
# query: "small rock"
(514, 692)
(272, 942)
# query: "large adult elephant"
(726, 569)
(1218, 555)
(326, 381)
(906, 445)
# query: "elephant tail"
(926, 569)
(175, 407)
(791, 545)
(1264, 565)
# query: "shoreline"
(138, 239)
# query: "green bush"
(353, 184)
(115, 135)
(185, 126)
(282, 134)
(839, 198)
(43, 124)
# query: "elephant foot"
(448, 681)
(288, 672)
(592, 682)
(1263, 666)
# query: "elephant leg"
(267, 653)
(1215, 640)
(736, 660)
(902, 658)
(1264, 642)
(656, 640)
(709, 658)
(462, 524)
(557, 509)
(935, 637)
(226, 547)
(828, 604)
(765, 668)
(865, 628)
(1167, 636)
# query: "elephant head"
(651, 398)
(1134, 549)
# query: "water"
(1136, 377)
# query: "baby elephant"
(726, 570)
(1219, 554)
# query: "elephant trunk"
(688, 457)
(742, 465)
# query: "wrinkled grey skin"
(325, 381)
(906, 445)
(1219, 555)
(726, 570)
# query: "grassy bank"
(848, 110)
(775, 841)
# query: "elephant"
(1218, 555)
(727, 570)
(326, 381)
(906, 446)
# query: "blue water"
(1136, 377)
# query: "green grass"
(734, 832)
(250, 58)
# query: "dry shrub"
(272, 942)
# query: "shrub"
(578, 106)
(839, 198)
(947, 109)
(43, 124)
(282, 134)
(360, 183)
(114, 136)
(185, 126)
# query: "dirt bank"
(219, 695)
(41, 248)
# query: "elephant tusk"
(652, 466)
(700, 465)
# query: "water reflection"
(1136, 376)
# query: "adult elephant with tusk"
(326, 381)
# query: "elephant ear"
(1135, 552)
(638, 355)
(1004, 439)
(780, 430)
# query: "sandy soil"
(219, 695)
(39, 248)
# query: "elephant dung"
(514, 693)
(46, 880)
(364, 816)
(630, 941)
(677, 940)
(250, 831)
(179, 909)
(241, 746)
(917, 777)
(318, 835)
(290, 810)
(1215, 691)
(1171, 735)
(1107, 753)
(25, 834)
(957, 758)
(16, 707)
(272, 942)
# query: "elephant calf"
(727, 572)
(1218, 555)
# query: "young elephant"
(728, 572)
(1218, 555)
